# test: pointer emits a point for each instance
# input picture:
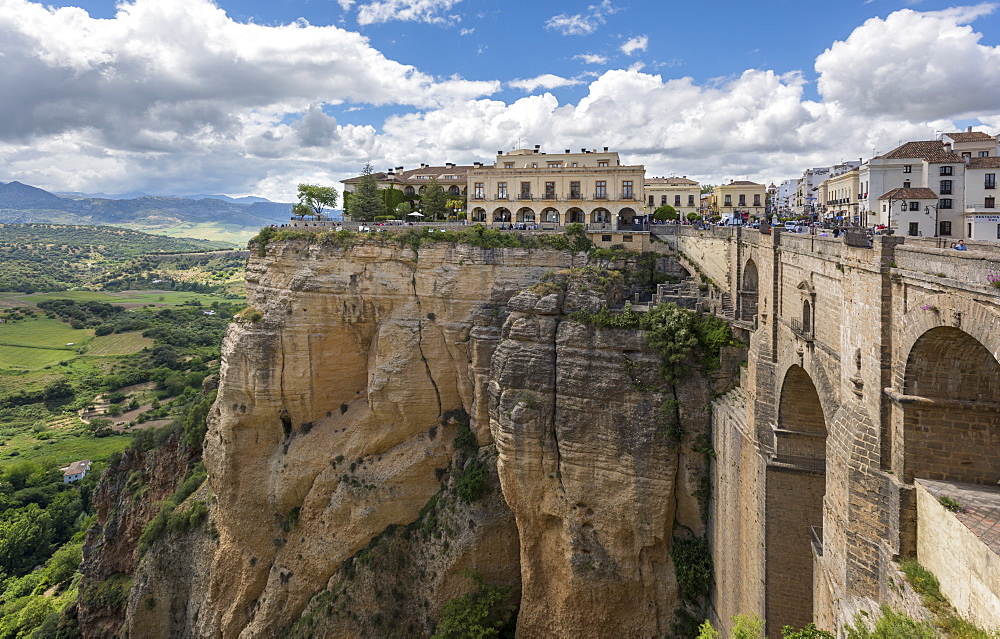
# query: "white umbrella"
(415, 214)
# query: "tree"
(313, 199)
(391, 198)
(434, 199)
(403, 209)
(366, 202)
(692, 216)
(665, 212)
(707, 188)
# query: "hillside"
(52, 257)
(208, 218)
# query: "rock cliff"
(339, 506)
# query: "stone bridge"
(870, 369)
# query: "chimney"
(968, 129)
(538, 146)
(605, 149)
(567, 150)
(449, 164)
(399, 168)
(499, 152)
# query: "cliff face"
(595, 486)
(332, 459)
(327, 425)
(126, 499)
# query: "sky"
(253, 97)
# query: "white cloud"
(582, 23)
(174, 97)
(591, 58)
(918, 65)
(465, 32)
(546, 81)
(638, 43)
(404, 10)
(346, 4)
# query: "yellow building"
(679, 192)
(842, 198)
(739, 199)
(526, 186)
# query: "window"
(966, 156)
(690, 200)
(991, 181)
(550, 190)
(652, 200)
(501, 190)
(478, 191)
(914, 206)
(945, 187)
(944, 229)
(756, 199)
(602, 163)
(409, 191)
(743, 199)
(601, 190)
(508, 165)
(626, 238)
(984, 154)
(677, 200)
(555, 165)
(534, 165)
(574, 190)
(525, 190)
(946, 170)
(627, 190)
(990, 203)
(605, 238)
(453, 190)
(728, 201)
(907, 169)
(944, 204)
(573, 165)
(663, 200)
(914, 230)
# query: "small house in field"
(76, 471)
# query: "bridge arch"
(749, 292)
(951, 409)
(796, 487)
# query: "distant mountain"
(246, 199)
(21, 203)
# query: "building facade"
(526, 186)
(679, 192)
(739, 200)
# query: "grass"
(208, 231)
(34, 343)
(926, 585)
(118, 344)
(159, 298)
(61, 450)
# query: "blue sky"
(241, 97)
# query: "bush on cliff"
(481, 613)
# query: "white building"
(75, 471)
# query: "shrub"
(480, 613)
(472, 482)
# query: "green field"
(159, 298)
(60, 451)
(118, 344)
(32, 344)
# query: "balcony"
(600, 195)
(525, 196)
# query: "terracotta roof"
(672, 180)
(929, 150)
(909, 194)
(410, 177)
(76, 468)
(984, 163)
(970, 136)
(742, 183)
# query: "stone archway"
(749, 292)
(600, 216)
(526, 215)
(627, 219)
(951, 409)
(501, 215)
(576, 216)
(479, 214)
(550, 215)
(796, 486)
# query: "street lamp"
(927, 211)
